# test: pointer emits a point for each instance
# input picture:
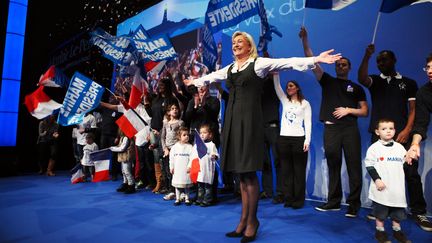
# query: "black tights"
(249, 189)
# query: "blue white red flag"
(201, 151)
(130, 123)
(101, 160)
(389, 6)
(328, 4)
(77, 174)
(39, 104)
(139, 88)
(54, 77)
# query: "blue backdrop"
(349, 31)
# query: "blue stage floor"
(49, 209)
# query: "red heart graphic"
(381, 158)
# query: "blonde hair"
(253, 53)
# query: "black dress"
(243, 132)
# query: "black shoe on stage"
(234, 234)
(246, 239)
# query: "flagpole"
(110, 91)
(304, 16)
(376, 27)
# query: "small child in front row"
(384, 162)
(207, 168)
(179, 157)
(88, 165)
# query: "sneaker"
(381, 236)
(264, 195)
(278, 199)
(140, 185)
(122, 187)
(187, 202)
(182, 197)
(130, 189)
(326, 207)
(400, 236)
(169, 196)
(370, 216)
(351, 213)
(423, 222)
(176, 203)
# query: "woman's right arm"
(215, 76)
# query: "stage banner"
(83, 95)
(116, 48)
(224, 14)
(158, 48)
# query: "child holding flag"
(126, 156)
(207, 165)
(87, 164)
(178, 161)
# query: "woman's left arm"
(307, 122)
(265, 65)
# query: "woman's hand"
(327, 57)
(305, 147)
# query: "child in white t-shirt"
(384, 162)
(207, 167)
(179, 156)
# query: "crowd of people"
(252, 127)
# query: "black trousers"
(293, 162)
(271, 134)
(146, 162)
(346, 138)
(416, 199)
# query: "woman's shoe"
(246, 239)
(234, 234)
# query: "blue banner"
(83, 95)
(209, 49)
(222, 14)
(116, 48)
(155, 49)
(140, 34)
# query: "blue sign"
(155, 49)
(83, 95)
(116, 48)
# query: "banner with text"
(83, 95)
(116, 48)
(156, 48)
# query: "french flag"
(138, 89)
(130, 123)
(389, 6)
(199, 153)
(155, 67)
(77, 174)
(328, 4)
(39, 104)
(53, 77)
(101, 160)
